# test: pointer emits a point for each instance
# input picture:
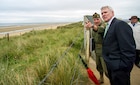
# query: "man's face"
(97, 21)
(107, 14)
(134, 20)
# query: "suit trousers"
(137, 60)
(119, 77)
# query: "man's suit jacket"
(119, 46)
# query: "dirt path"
(135, 74)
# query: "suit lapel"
(110, 26)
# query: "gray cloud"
(62, 10)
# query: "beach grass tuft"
(28, 58)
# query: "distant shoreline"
(21, 29)
(25, 24)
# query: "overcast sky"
(18, 11)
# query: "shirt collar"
(109, 22)
(137, 23)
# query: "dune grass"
(27, 59)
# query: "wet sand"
(18, 30)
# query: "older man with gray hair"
(118, 48)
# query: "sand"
(19, 30)
(135, 74)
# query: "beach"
(21, 29)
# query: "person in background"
(118, 48)
(97, 33)
(135, 24)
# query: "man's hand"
(88, 25)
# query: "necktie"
(133, 24)
(107, 26)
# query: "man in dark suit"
(118, 48)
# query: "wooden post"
(87, 45)
(8, 36)
(86, 41)
(87, 33)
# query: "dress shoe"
(100, 81)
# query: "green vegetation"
(27, 59)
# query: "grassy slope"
(26, 59)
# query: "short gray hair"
(107, 7)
